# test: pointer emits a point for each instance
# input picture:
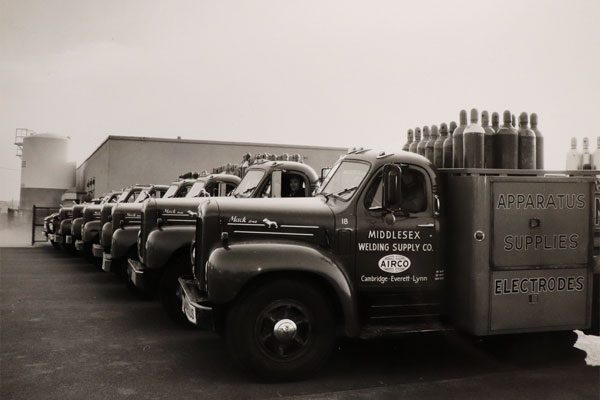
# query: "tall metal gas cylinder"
(413, 146)
(539, 142)
(429, 146)
(573, 157)
(495, 122)
(586, 156)
(488, 141)
(473, 143)
(596, 156)
(447, 152)
(423, 143)
(438, 146)
(409, 137)
(506, 151)
(526, 143)
(457, 141)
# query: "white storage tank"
(45, 170)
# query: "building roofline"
(197, 141)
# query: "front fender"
(65, 227)
(122, 240)
(106, 236)
(229, 270)
(90, 231)
(76, 228)
(162, 243)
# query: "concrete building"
(124, 160)
(45, 172)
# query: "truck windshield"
(249, 183)
(196, 189)
(171, 191)
(344, 179)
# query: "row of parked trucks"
(283, 261)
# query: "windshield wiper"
(350, 189)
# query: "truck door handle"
(426, 225)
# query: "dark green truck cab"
(391, 245)
(169, 227)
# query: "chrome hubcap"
(285, 330)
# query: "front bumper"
(79, 245)
(97, 250)
(135, 272)
(58, 238)
(69, 239)
(194, 305)
(106, 262)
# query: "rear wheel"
(282, 330)
(169, 290)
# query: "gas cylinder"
(423, 142)
(429, 146)
(447, 149)
(495, 122)
(513, 120)
(473, 143)
(409, 140)
(586, 156)
(457, 141)
(488, 141)
(438, 146)
(573, 157)
(506, 152)
(526, 143)
(539, 142)
(413, 146)
(596, 156)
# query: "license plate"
(188, 309)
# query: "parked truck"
(78, 218)
(126, 220)
(92, 227)
(168, 228)
(391, 245)
(103, 247)
(63, 225)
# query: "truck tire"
(281, 330)
(169, 291)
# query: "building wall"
(122, 161)
(40, 197)
(95, 167)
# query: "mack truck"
(92, 224)
(104, 245)
(168, 228)
(63, 223)
(78, 219)
(126, 220)
(389, 245)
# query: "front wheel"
(282, 330)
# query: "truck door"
(402, 255)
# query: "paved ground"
(71, 331)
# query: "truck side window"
(413, 192)
(229, 188)
(293, 185)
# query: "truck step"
(373, 331)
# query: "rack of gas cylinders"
(583, 159)
(481, 145)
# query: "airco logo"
(394, 263)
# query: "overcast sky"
(340, 73)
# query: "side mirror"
(324, 172)
(392, 190)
